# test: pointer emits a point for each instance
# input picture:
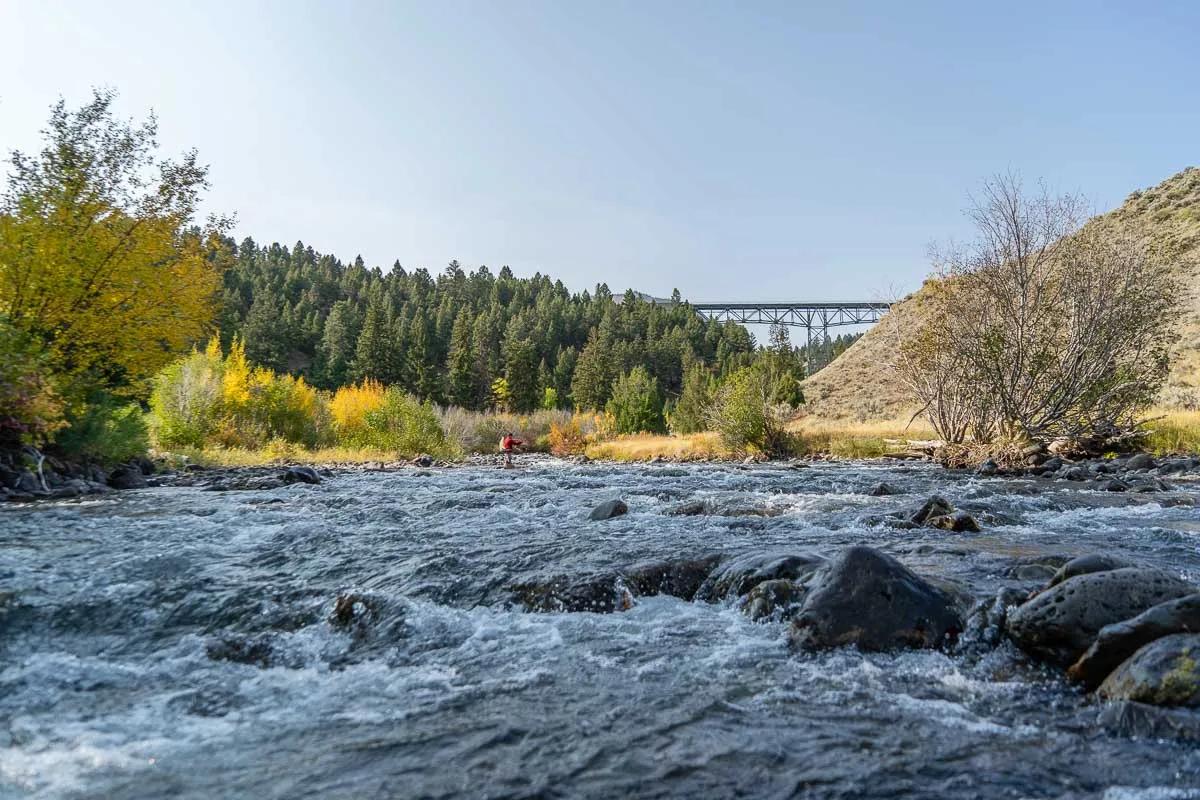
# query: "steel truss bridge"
(813, 317)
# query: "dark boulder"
(957, 522)
(1113, 485)
(423, 461)
(1165, 672)
(144, 464)
(1085, 565)
(300, 475)
(869, 599)
(737, 577)
(1119, 641)
(935, 506)
(8, 477)
(1060, 624)
(777, 598)
(609, 509)
(603, 593)
(681, 578)
(883, 489)
(127, 476)
(988, 467)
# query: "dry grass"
(1174, 432)
(270, 456)
(851, 439)
(645, 446)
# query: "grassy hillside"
(859, 384)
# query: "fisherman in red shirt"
(507, 445)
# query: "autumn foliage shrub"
(349, 408)
(567, 439)
(207, 400)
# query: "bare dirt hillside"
(860, 385)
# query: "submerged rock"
(690, 508)
(1119, 641)
(1060, 624)
(775, 598)
(608, 510)
(958, 522)
(1165, 672)
(935, 506)
(737, 577)
(301, 475)
(1128, 718)
(682, 578)
(254, 650)
(986, 623)
(883, 489)
(869, 599)
(602, 593)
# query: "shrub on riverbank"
(206, 400)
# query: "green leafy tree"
(636, 404)
(746, 416)
(689, 414)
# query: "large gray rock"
(869, 599)
(1060, 624)
(1165, 672)
(609, 509)
(1084, 565)
(1117, 642)
(737, 577)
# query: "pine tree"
(374, 356)
(461, 386)
(520, 370)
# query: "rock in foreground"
(1119, 641)
(1165, 672)
(869, 599)
(1060, 624)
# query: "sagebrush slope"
(860, 384)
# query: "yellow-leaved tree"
(101, 258)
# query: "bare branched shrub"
(1042, 328)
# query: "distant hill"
(860, 384)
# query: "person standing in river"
(507, 445)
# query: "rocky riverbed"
(814, 630)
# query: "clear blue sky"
(736, 151)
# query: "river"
(176, 642)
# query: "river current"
(176, 642)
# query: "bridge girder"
(810, 316)
(805, 315)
